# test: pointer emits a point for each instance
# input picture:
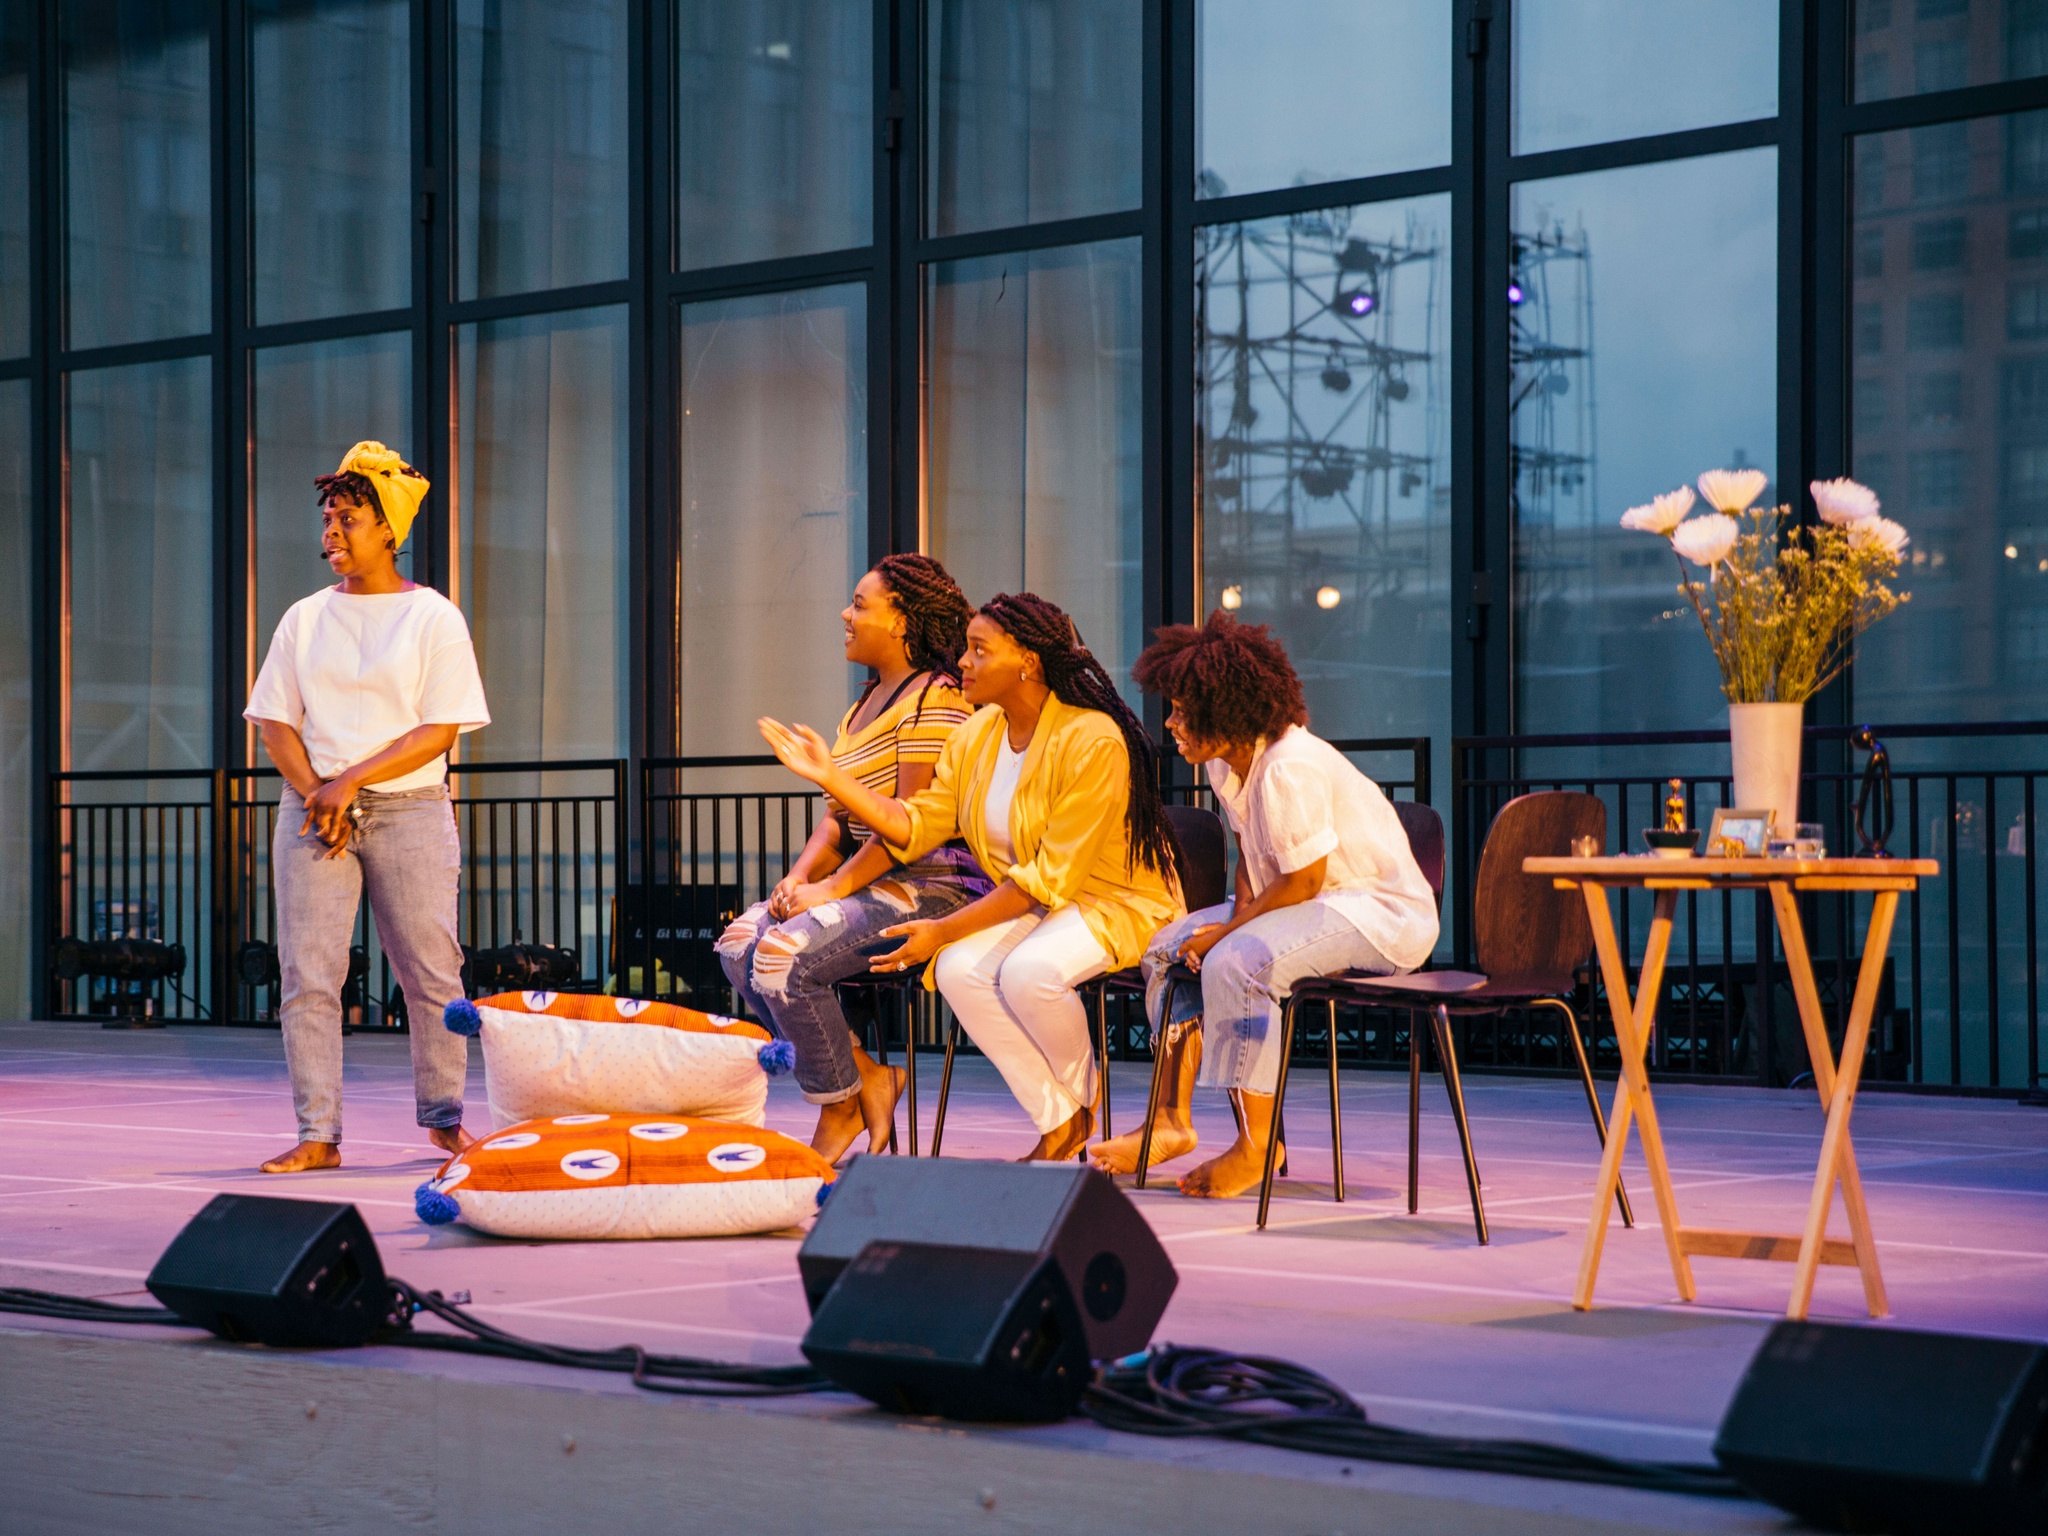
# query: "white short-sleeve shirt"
(1304, 800)
(353, 673)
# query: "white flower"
(1843, 502)
(1866, 531)
(1706, 540)
(1732, 490)
(1662, 514)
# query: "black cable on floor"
(680, 1374)
(1171, 1391)
(1184, 1392)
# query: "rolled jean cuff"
(836, 1096)
(440, 1118)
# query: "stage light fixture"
(1233, 598)
(1396, 389)
(1336, 377)
(1328, 597)
(1355, 302)
(1322, 481)
(518, 968)
(1515, 294)
(130, 960)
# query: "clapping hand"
(801, 750)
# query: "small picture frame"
(1739, 834)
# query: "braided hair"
(1076, 678)
(935, 614)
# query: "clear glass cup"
(1810, 840)
(1586, 847)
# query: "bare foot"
(1238, 1169)
(1120, 1153)
(451, 1139)
(879, 1091)
(305, 1157)
(1059, 1145)
(838, 1124)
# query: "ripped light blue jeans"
(1246, 980)
(786, 971)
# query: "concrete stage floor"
(110, 1141)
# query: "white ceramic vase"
(1763, 743)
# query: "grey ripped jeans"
(405, 852)
(786, 971)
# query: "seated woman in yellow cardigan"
(1054, 786)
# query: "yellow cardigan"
(1066, 823)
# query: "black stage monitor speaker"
(968, 1333)
(1120, 1276)
(269, 1271)
(1878, 1429)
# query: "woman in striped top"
(823, 922)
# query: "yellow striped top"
(911, 729)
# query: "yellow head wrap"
(400, 487)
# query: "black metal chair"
(1200, 835)
(913, 1004)
(1530, 939)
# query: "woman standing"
(1054, 786)
(364, 690)
(1326, 882)
(825, 919)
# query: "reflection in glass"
(143, 554)
(310, 405)
(1324, 453)
(1032, 433)
(1593, 71)
(1909, 47)
(1033, 110)
(774, 462)
(1638, 361)
(138, 183)
(331, 157)
(542, 565)
(1950, 413)
(14, 235)
(1319, 90)
(540, 144)
(19, 800)
(775, 129)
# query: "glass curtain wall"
(19, 800)
(331, 183)
(540, 141)
(1638, 361)
(142, 558)
(773, 454)
(138, 186)
(543, 557)
(1033, 433)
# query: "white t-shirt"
(1304, 800)
(351, 674)
(1002, 789)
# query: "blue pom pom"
(461, 1017)
(823, 1191)
(433, 1207)
(777, 1057)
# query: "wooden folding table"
(1635, 1020)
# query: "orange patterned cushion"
(627, 1176)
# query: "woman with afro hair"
(907, 623)
(1326, 882)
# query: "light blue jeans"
(1246, 979)
(404, 850)
(787, 971)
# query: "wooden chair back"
(1525, 931)
(1200, 835)
(1425, 831)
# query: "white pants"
(1012, 988)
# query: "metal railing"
(185, 858)
(1959, 1001)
